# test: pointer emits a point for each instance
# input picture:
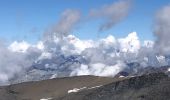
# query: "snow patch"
(46, 99)
(95, 87)
(53, 76)
(80, 89)
(121, 76)
(168, 69)
(76, 90)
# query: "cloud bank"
(71, 56)
(16, 59)
(11, 63)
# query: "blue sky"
(28, 19)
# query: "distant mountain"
(57, 66)
(63, 66)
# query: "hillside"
(155, 86)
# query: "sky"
(29, 19)
(106, 35)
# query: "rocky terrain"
(153, 86)
(148, 87)
(53, 88)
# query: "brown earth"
(154, 86)
(50, 88)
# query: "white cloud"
(148, 43)
(19, 46)
(130, 44)
(80, 45)
(12, 63)
(98, 69)
(23, 46)
(82, 70)
(40, 45)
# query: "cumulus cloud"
(68, 21)
(162, 30)
(131, 43)
(19, 46)
(112, 13)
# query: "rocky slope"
(148, 87)
(154, 86)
